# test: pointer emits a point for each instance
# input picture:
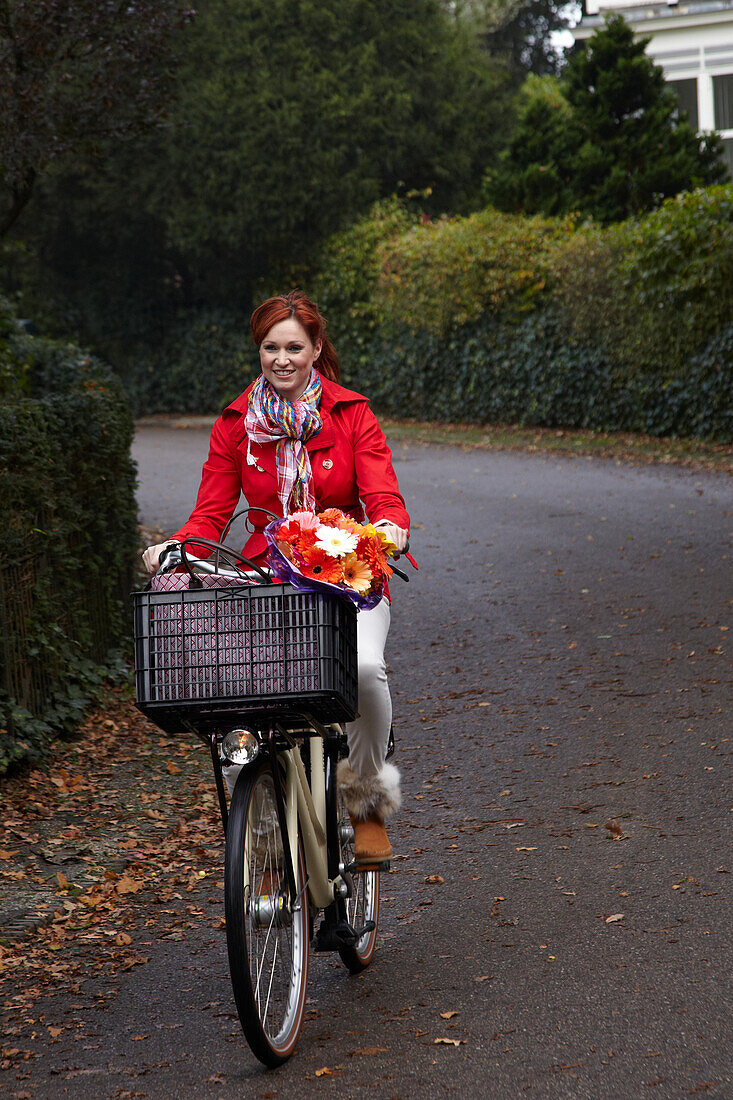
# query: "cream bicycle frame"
(306, 803)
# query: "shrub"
(653, 290)
(531, 373)
(455, 270)
(206, 362)
(68, 538)
(350, 267)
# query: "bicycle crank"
(333, 935)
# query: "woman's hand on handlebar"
(151, 557)
(395, 534)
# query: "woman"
(294, 440)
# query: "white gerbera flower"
(335, 542)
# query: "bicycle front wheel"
(362, 909)
(267, 939)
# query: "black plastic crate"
(203, 657)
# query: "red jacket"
(350, 460)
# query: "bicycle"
(289, 842)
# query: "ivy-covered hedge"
(531, 372)
(497, 318)
(207, 360)
(500, 317)
(68, 536)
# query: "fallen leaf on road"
(614, 917)
(434, 880)
(173, 768)
(62, 880)
(324, 1071)
(127, 885)
(484, 978)
(54, 1032)
(449, 1042)
(217, 1079)
(617, 831)
(134, 960)
(448, 1015)
(523, 849)
(137, 1038)
(4, 854)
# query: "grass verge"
(621, 446)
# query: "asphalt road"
(561, 661)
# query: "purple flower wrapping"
(288, 571)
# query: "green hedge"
(68, 537)
(207, 361)
(497, 317)
(455, 270)
(531, 373)
(651, 291)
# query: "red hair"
(297, 305)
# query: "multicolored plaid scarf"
(271, 417)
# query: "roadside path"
(562, 681)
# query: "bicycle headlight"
(239, 747)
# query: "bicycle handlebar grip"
(170, 557)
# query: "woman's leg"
(369, 733)
(370, 787)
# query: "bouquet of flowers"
(331, 551)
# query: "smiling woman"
(287, 356)
(296, 441)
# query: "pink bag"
(205, 648)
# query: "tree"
(609, 142)
(292, 118)
(75, 75)
(525, 32)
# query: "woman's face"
(287, 355)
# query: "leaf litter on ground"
(130, 873)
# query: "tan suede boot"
(370, 799)
(371, 843)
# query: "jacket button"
(327, 464)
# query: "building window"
(686, 91)
(723, 96)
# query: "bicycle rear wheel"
(267, 943)
(363, 907)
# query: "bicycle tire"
(267, 946)
(363, 906)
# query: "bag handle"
(230, 555)
(245, 512)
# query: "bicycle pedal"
(330, 936)
(357, 868)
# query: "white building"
(693, 43)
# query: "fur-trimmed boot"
(370, 799)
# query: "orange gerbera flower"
(288, 532)
(334, 517)
(320, 566)
(306, 540)
(357, 574)
(369, 550)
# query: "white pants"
(369, 733)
